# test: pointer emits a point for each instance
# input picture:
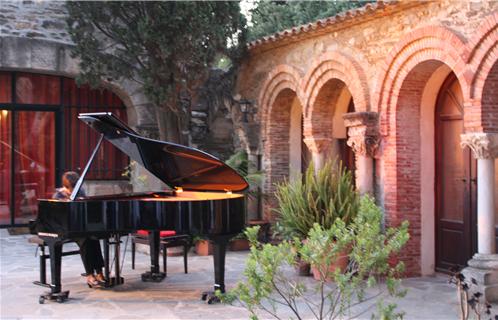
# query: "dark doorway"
(456, 232)
(346, 154)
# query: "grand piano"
(201, 201)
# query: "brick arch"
(280, 78)
(484, 53)
(425, 44)
(335, 65)
(398, 98)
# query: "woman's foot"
(91, 281)
(100, 278)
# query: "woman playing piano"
(90, 251)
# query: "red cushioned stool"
(168, 239)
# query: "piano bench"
(166, 242)
(44, 256)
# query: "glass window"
(37, 89)
(29, 139)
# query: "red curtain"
(34, 154)
(37, 89)
(5, 165)
(110, 163)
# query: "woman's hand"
(65, 191)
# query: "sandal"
(92, 282)
(100, 278)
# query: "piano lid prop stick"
(77, 187)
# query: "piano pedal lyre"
(113, 281)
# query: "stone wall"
(34, 19)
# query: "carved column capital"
(483, 145)
(363, 132)
(317, 144)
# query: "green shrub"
(320, 197)
(368, 279)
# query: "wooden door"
(455, 182)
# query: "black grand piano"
(201, 202)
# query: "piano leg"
(155, 274)
(55, 251)
(220, 248)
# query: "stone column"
(319, 148)
(484, 147)
(364, 139)
(483, 266)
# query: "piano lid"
(174, 164)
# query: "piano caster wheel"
(153, 277)
(212, 300)
(60, 297)
(210, 297)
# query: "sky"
(245, 7)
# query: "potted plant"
(239, 161)
(203, 247)
(320, 197)
(239, 243)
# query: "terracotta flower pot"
(203, 248)
(302, 268)
(238, 245)
(341, 263)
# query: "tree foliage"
(167, 47)
(269, 17)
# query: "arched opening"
(417, 135)
(297, 150)
(284, 149)
(332, 102)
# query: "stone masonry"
(388, 57)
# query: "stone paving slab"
(177, 297)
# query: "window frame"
(63, 122)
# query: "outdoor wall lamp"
(245, 107)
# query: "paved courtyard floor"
(177, 297)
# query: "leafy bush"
(270, 288)
(319, 197)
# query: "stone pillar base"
(484, 269)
